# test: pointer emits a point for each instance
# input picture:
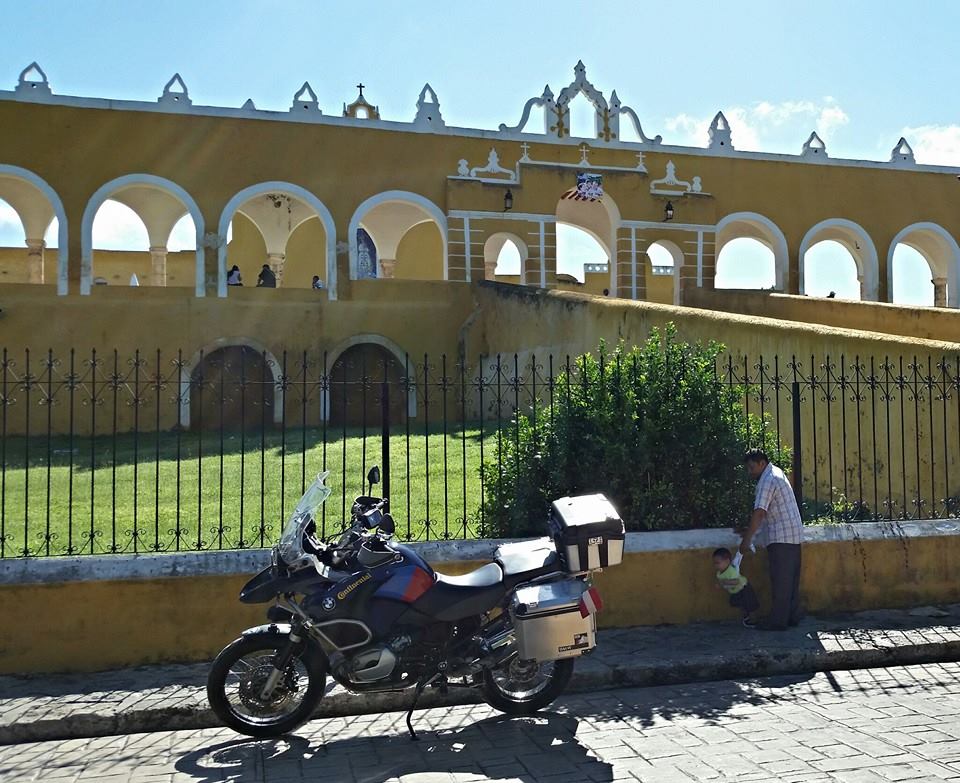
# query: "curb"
(591, 675)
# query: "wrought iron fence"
(152, 452)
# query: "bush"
(653, 428)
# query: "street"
(866, 725)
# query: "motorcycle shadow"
(524, 749)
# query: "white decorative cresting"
(902, 154)
(670, 185)
(305, 100)
(33, 82)
(428, 109)
(813, 147)
(175, 97)
(719, 133)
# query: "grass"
(133, 494)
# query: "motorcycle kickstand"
(416, 697)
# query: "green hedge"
(652, 427)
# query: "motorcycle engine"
(377, 661)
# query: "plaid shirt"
(775, 496)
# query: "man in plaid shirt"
(775, 523)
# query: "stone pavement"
(173, 697)
(860, 726)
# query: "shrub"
(652, 427)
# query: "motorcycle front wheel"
(237, 678)
(523, 687)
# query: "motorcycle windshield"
(291, 540)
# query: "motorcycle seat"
(527, 559)
(454, 597)
(485, 576)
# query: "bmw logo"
(328, 604)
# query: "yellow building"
(350, 195)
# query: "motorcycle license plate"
(590, 602)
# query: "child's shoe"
(749, 622)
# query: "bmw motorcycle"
(373, 615)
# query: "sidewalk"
(173, 697)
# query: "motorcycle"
(372, 614)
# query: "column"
(490, 269)
(939, 292)
(35, 260)
(276, 261)
(158, 265)
(387, 267)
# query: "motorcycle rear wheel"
(240, 670)
(524, 687)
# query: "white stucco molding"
(850, 235)
(770, 235)
(329, 228)
(230, 342)
(942, 254)
(16, 172)
(398, 196)
(402, 358)
(118, 184)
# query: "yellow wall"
(928, 323)
(420, 254)
(246, 249)
(115, 266)
(237, 152)
(306, 255)
(97, 625)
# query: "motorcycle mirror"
(387, 524)
(373, 477)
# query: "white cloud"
(117, 227)
(766, 126)
(935, 144)
(11, 229)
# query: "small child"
(730, 579)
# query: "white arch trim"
(55, 202)
(436, 214)
(230, 342)
(953, 269)
(299, 192)
(778, 244)
(384, 342)
(105, 191)
(867, 263)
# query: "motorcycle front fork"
(282, 660)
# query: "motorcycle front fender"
(312, 649)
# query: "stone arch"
(296, 191)
(386, 343)
(752, 225)
(191, 366)
(43, 188)
(127, 182)
(494, 246)
(939, 249)
(599, 218)
(857, 242)
(677, 255)
(387, 240)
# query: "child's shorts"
(746, 599)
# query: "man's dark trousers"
(784, 562)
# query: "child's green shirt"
(731, 579)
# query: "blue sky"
(862, 73)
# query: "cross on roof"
(360, 87)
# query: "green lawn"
(125, 494)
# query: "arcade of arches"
(421, 200)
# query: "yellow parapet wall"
(56, 616)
